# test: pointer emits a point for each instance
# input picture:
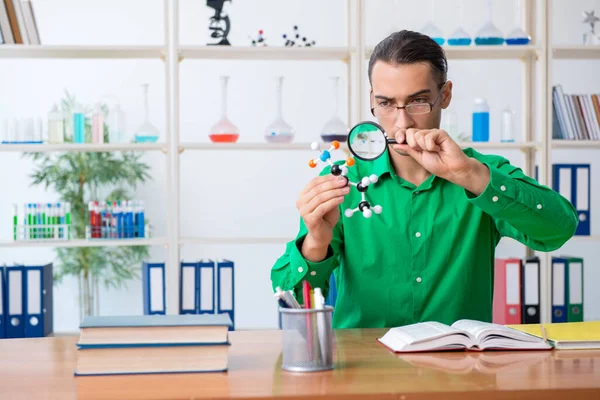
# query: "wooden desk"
(43, 369)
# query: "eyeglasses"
(412, 109)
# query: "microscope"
(219, 23)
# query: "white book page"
(480, 329)
(423, 331)
(495, 335)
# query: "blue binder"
(559, 289)
(37, 300)
(15, 323)
(206, 287)
(226, 290)
(153, 288)
(188, 288)
(573, 182)
(2, 304)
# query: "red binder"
(507, 291)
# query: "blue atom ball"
(325, 156)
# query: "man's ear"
(371, 100)
(447, 95)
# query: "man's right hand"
(318, 205)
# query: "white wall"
(247, 194)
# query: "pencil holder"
(307, 339)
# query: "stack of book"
(576, 116)
(153, 344)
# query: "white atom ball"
(314, 146)
(377, 209)
(373, 178)
(348, 213)
(367, 213)
(365, 181)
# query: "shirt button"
(313, 273)
(495, 199)
(503, 188)
(417, 192)
(418, 234)
(300, 269)
(418, 279)
(539, 206)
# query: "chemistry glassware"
(518, 36)
(279, 131)
(488, 34)
(335, 128)
(146, 131)
(224, 130)
(460, 37)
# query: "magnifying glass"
(368, 141)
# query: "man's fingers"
(327, 206)
(315, 182)
(335, 183)
(324, 197)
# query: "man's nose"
(404, 120)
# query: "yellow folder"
(568, 335)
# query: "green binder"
(574, 289)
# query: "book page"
(479, 329)
(423, 331)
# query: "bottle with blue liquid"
(460, 37)
(78, 126)
(518, 36)
(430, 29)
(481, 121)
(488, 34)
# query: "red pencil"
(306, 295)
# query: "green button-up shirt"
(429, 256)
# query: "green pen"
(68, 219)
(15, 221)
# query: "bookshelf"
(536, 61)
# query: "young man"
(430, 254)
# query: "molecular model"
(295, 40)
(260, 40)
(364, 206)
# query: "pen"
(306, 297)
(545, 337)
(321, 328)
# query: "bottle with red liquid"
(224, 131)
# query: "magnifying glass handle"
(391, 141)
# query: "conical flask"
(517, 35)
(146, 131)
(488, 34)
(460, 37)
(279, 131)
(224, 131)
(430, 29)
(335, 128)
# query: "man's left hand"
(443, 157)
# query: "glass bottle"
(146, 132)
(224, 130)
(78, 125)
(116, 121)
(430, 29)
(460, 37)
(279, 131)
(56, 126)
(334, 129)
(481, 121)
(507, 132)
(97, 125)
(518, 36)
(488, 34)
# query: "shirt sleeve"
(292, 268)
(524, 210)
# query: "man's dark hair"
(408, 47)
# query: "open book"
(463, 334)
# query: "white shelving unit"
(160, 241)
(536, 60)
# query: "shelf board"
(575, 144)
(265, 53)
(72, 147)
(86, 243)
(485, 52)
(235, 240)
(500, 145)
(344, 146)
(246, 146)
(576, 52)
(90, 52)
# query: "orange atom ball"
(312, 163)
(335, 144)
(350, 162)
